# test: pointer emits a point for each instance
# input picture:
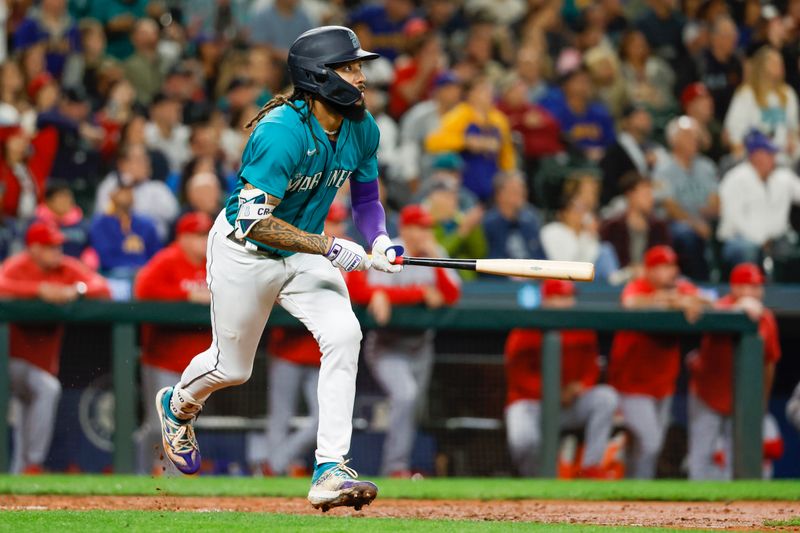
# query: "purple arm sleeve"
(368, 213)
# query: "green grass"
(181, 522)
(783, 523)
(441, 488)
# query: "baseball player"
(266, 246)
(293, 367)
(711, 385)
(401, 361)
(41, 271)
(584, 402)
(178, 272)
(643, 367)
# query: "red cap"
(660, 255)
(415, 27)
(194, 222)
(44, 233)
(415, 215)
(337, 213)
(557, 287)
(692, 91)
(36, 84)
(747, 274)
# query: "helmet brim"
(358, 55)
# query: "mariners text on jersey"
(294, 161)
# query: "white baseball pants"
(244, 287)
(593, 410)
(37, 393)
(647, 418)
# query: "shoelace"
(343, 468)
(183, 437)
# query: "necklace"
(332, 133)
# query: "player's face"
(47, 257)
(740, 291)
(194, 244)
(354, 75)
(663, 276)
(559, 302)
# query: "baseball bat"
(523, 268)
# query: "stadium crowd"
(650, 137)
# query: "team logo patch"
(96, 413)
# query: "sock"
(321, 469)
(180, 406)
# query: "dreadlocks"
(282, 99)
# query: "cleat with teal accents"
(337, 485)
(177, 436)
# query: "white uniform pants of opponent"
(35, 394)
(647, 419)
(244, 287)
(592, 410)
(709, 433)
(404, 378)
(149, 455)
(279, 447)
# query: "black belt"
(259, 251)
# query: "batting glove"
(383, 254)
(347, 255)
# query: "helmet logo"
(354, 40)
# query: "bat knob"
(398, 254)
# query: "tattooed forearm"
(282, 235)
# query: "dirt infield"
(722, 515)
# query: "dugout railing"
(124, 317)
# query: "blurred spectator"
(687, 187)
(447, 168)
(698, 104)
(643, 367)
(649, 79)
(532, 67)
(637, 229)
(415, 74)
(756, 197)
(124, 240)
(59, 209)
(512, 225)
(119, 18)
(24, 166)
(720, 66)
(135, 133)
(203, 194)
(151, 198)
(393, 161)
(176, 273)
(663, 26)
(382, 23)
(165, 132)
(113, 117)
(485, 40)
(574, 234)
(43, 272)
(765, 102)
(401, 361)
(584, 122)
(711, 394)
(86, 68)
(424, 117)
(233, 138)
(278, 25)
(793, 408)
(538, 129)
(265, 74)
(78, 158)
(459, 232)
(634, 150)
(480, 132)
(606, 73)
(585, 404)
(293, 369)
(144, 67)
(50, 22)
(12, 85)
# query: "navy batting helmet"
(314, 55)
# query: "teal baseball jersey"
(294, 161)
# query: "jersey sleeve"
(368, 168)
(271, 157)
